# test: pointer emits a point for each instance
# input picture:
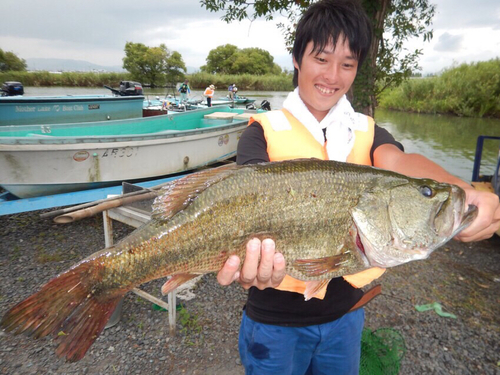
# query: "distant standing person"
(209, 94)
(185, 90)
(230, 90)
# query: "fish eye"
(426, 191)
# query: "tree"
(10, 62)
(228, 59)
(388, 62)
(253, 61)
(153, 65)
(220, 60)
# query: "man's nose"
(331, 73)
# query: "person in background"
(209, 94)
(280, 332)
(185, 90)
(230, 90)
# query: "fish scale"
(273, 205)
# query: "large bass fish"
(328, 219)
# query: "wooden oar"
(87, 212)
(94, 203)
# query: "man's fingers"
(279, 269)
(487, 221)
(265, 271)
(263, 267)
(250, 266)
(229, 272)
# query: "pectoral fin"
(319, 266)
(315, 289)
(176, 281)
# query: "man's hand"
(263, 266)
(488, 218)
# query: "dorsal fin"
(177, 195)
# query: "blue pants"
(330, 348)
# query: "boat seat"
(244, 116)
(34, 135)
(221, 115)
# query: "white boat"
(38, 160)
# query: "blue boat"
(16, 109)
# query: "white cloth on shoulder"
(340, 123)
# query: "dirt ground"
(463, 278)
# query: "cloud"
(449, 43)
(97, 30)
(454, 14)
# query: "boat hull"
(52, 169)
(25, 110)
(38, 160)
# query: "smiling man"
(281, 333)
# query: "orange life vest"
(288, 139)
(209, 92)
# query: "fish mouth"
(468, 217)
(463, 215)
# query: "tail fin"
(69, 306)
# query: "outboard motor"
(12, 88)
(130, 88)
(265, 105)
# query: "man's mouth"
(325, 90)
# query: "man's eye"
(320, 59)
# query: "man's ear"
(296, 64)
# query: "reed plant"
(269, 82)
(69, 79)
(280, 82)
(469, 90)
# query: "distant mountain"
(66, 65)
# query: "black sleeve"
(382, 136)
(252, 146)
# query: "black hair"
(325, 21)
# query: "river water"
(448, 140)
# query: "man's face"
(324, 77)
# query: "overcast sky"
(96, 31)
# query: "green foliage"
(220, 59)
(10, 62)
(394, 22)
(228, 59)
(67, 79)
(153, 65)
(404, 20)
(470, 90)
(268, 82)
